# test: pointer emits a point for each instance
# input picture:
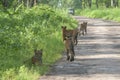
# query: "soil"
(97, 54)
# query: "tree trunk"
(111, 3)
(81, 4)
(5, 3)
(90, 3)
(107, 4)
(97, 4)
(115, 3)
(84, 3)
(27, 4)
(35, 1)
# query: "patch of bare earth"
(97, 54)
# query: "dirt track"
(97, 54)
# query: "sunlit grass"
(105, 13)
(20, 34)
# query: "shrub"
(37, 27)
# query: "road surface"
(97, 54)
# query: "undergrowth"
(28, 29)
(105, 13)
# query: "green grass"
(21, 33)
(105, 13)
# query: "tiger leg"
(68, 57)
(71, 57)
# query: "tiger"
(36, 58)
(83, 28)
(73, 33)
(69, 46)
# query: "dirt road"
(97, 54)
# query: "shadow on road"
(97, 53)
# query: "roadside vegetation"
(104, 13)
(27, 29)
(105, 9)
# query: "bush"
(37, 27)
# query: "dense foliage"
(109, 14)
(26, 30)
(77, 4)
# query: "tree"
(115, 3)
(35, 2)
(4, 3)
(97, 4)
(107, 3)
(112, 3)
(77, 4)
(84, 3)
(90, 3)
